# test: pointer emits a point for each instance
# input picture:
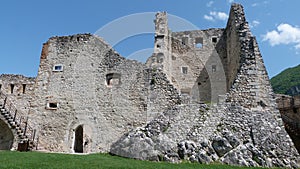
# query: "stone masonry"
(202, 96)
(289, 107)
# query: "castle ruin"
(202, 96)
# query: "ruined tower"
(190, 60)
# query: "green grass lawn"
(34, 160)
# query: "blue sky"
(26, 25)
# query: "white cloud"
(254, 5)
(260, 3)
(254, 23)
(210, 3)
(285, 34)
(216, 16)
(209, 18)
(230, 1)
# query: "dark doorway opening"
(12, 86)
(78, 142)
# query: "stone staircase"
(27, 139)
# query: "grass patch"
(17, 160)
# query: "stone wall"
(289, 107)
(19, 90)
(190, 60)
(83, 82)
(87, 98)
(250, 105)
(245, 127)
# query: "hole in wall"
(12, 86)
(214, 39)
(52, 105)
(78, 141)
(199, 42)
(58, 68)
(184, 70)
(24, 88)
(113, 79)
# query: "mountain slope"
(287, 82)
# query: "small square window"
(58, 68)
(113, 79)
(199, 42)
(214, 39)
(52, 105)
(184, 70)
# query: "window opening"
(184, 70)
(214, 39)
(52, 105)
(58, 68)
(12, 86)
(113, 79)
(24, 88)
(199, 42)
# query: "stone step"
(19, 131)
(7, 115)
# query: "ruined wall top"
(161, 23)
(16, 84)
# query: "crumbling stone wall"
(92, 86)
(190, 60)
(289, 107)
(245, 127)
(19, 90)
(87, 98)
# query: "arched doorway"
(6, 136)
(78, 141)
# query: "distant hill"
(287, 82)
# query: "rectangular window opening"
(12, 86)
(58, 68)
(52, 105)
(199, 42)
(214, 39)
(184, 70)
(24, 88)
(113, 79)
